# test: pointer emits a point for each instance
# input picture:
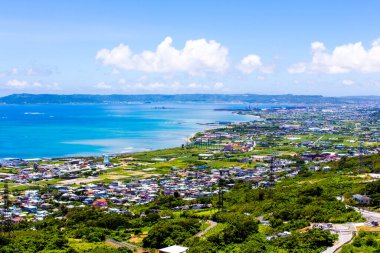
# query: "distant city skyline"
(329, 48)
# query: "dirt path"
(118, 244)
(212, 224)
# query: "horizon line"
(178, 94)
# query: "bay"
(59, 130)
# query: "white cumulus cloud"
(351, 57)
(252, 63)
(197, 57)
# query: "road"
(368, 214)
(134, 247)
(345, 233)
(320, 138)
(212, 224)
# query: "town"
(278, 145)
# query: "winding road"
(346, 234)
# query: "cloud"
(316, 46)
(21, 84)
(197, 57)
(348, 82)
(297, 68)
(352, 57)
(45, 71)
(17, 84)
(175, 87)
(102, 86)
(252, 63)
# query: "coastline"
(61, 131)
(116, 154)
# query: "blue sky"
(130, 47)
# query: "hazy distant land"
(206, 98)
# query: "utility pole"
(360, 156)
(271, 171)
(7, 223)
(221, 184)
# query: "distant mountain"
(210, 98)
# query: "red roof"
(101, 200)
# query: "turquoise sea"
(36, 131)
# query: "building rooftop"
(173, 249)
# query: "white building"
(173, 249)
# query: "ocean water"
(36, 131)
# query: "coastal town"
(279, 144)
(189, 126)
(73, 191)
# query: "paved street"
(368, 214)
(348, 230)
(345, 233)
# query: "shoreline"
(97, 156)
(88, 148)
